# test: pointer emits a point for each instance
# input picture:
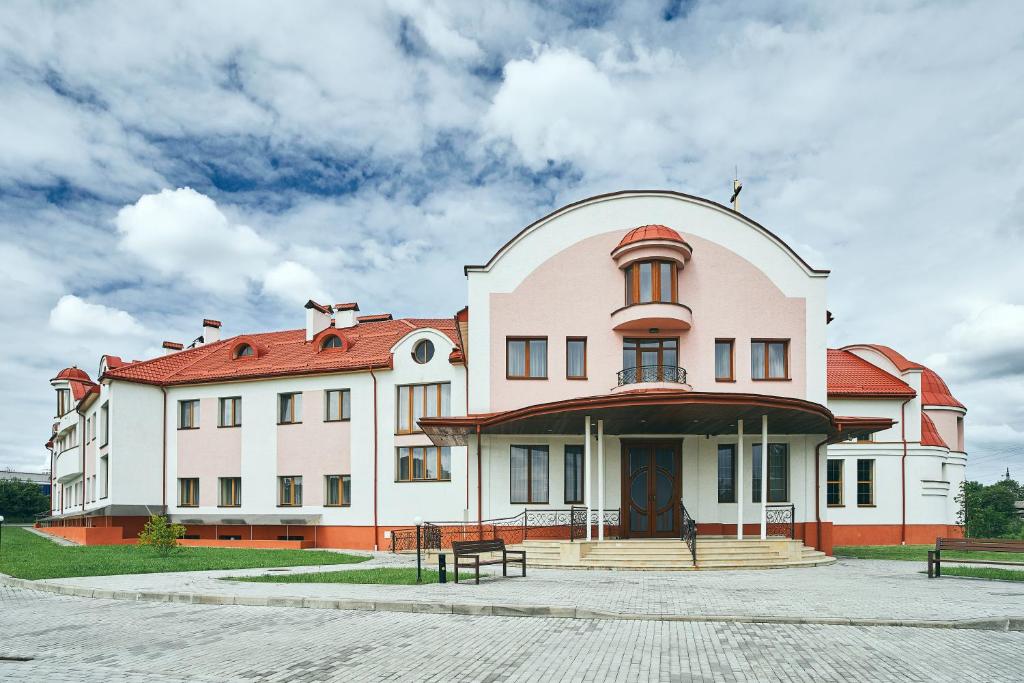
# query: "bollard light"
(419, 564)
(1, 533)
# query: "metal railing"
(652, 373)
(688, 530)
(780, 520)
(555, 523)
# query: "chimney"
(345, 314)
(211, 331)
(172, 347)
(318, 319)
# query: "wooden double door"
(651, 486)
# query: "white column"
(739, 480)
(587, 470)
(600, 480)
(764, 477)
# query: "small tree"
(21, 501)
(160, 535)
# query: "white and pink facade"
(630, 353)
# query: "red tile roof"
(850, 376)
(898, 359)
(374, 317)
(929, 433)
(286, 353)
(73, 374)
(651, 232)
(934, 391)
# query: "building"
(679, 334)
(41, 478)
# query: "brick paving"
(82, 639)
(860, 589)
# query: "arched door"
(651, 486)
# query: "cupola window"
(244, 351)
(651, 281)
(332, 342)
(423, 351)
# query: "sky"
(165, 162)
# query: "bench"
(991, 545)
(473, 549)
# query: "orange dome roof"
(651, 232)
(935, 392)
(73, 374)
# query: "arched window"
(423, 351)
(651, 281)
(332, 341)
(244, 351)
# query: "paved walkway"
(96, 640)
(863, 590)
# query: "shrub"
(21, 501)
(160, 535)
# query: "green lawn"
(984, 572)
(917, 553)
(389, 575)
(27, 556)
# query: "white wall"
(135, 446)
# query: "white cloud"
(73, 315)
(294, 283)
(988, 343)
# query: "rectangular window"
(339, 490)
(230, 412)
(188, 414)
(865, 483)
(650, 281)
(230, 492)
(104, 476)
(834, 484)
(778, 473)
(727, 473)
(289, 491)
(724, 359)
(421, 400)
(424, 463)
(576, 358)
(654, 360)
(526, 357)
(188, 493)
(769, 359)
(105, 424)
(337, 405)
(63, 401)
(529, 474)
(574, 474)
(289, 408)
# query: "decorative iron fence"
(781, 520)
(688, 531)
(555, 523)
(652, 373)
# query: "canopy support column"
(587, 471)
(739, 480)
(600, 480)
(764, 477)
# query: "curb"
(476, 609)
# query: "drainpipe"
(81, 448)
(903, 470)
(163, 478)
(817, 489)
(465, 367)
(375, 458)
(479, 484)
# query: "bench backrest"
(1005, 545)
(466, 547)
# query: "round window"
(423, 351)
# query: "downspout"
(163, 479)
(903, 470)
(81, 447)
(465, 367)
(375, 458)
(817, 490)
(479, 484)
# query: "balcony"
(69, 464)
(656, 315)
(652, 377)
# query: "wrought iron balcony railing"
(652, 373)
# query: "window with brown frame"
(188, 492)
(834, 483)
(576, 358)
(727, 473)
(289, 408)
(526, 357)
(289, 491)
(337, 405)
(421, 400)
(230, 492)
(651, 281)
(528, 481)
(424, 463)
(658, 358)
(63, 401)
(769, 359)
(865, 483)
(574, 474)
(188, 414)
(725, 360)
(230, 412)
(339, 490)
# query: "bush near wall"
(21, 501)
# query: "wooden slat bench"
(991, 545)
(473, 550)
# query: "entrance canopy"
(657, 411)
